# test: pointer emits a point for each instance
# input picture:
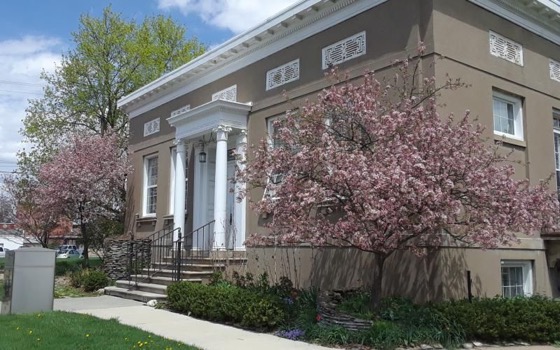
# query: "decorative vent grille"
(151, 127)
(282, 75)
(229, 94)
(505, 48)
(181, 110)
(344, 50)
(554, 70)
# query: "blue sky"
(34, 33)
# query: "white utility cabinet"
(28, 281)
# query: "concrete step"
(165, 281)
(190, 267)
(186, 275)
(208, 261)
(142, 286)
(134, 294)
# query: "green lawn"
(62, 330)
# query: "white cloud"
(235, 15)
(22, 60)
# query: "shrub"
(535, 319)
(76, 279)
(226, 303)
(63, 267)
(92, 280)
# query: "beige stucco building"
(186, 125)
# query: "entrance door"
(230, 206)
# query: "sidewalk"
(203, 334)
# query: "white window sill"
(509, 139)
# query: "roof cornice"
(541, 17)
(298, 22)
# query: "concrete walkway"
(205, 335)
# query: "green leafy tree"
(112, 57)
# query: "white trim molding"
(297, 23)
(283, 74)
(513, 111)
(180, 110)
(150, 171)
(344, 50)
(203, 119)
(506, 49)
(227, 94)
(516, 266)
(554, 67)
(540, 17)
(151, 127)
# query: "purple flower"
(292, 334)
(288, 301)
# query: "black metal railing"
(170, 250)
(145, 263)
(138, 259)
(199, 242)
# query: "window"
(508, 115)
(151, 127)
(282, 75)
(554, 70)
(172, 183)
(229, 94)
(344, 50)
(556, 115)
(150, 185)
(506, 49)
(273, 124)
(517, 278)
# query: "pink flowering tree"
(34, 220)
(373, 166)
(86, 179)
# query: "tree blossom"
(86, 180)
(35, 220)
(373, 166)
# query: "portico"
(217, 129)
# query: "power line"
(21, 92)
(10, 82)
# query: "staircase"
(168, 262)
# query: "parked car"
(69, 254)
(3, 252)
(65, 247)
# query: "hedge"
(533, 320)
(226, 304)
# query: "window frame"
(273, 179)
(527, 270)
(517, 104)
(146, 187)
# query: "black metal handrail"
(161, 249)
(166, 252)
(200, 242)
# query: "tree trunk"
(377, 285)
(85, 252)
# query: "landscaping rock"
(327, 303)
(117, 257)
(477, 344)
(426, 347)
(468, 346)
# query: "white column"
(220, 189)
(180, 177)
(240, 206)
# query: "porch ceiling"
(203, 119)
